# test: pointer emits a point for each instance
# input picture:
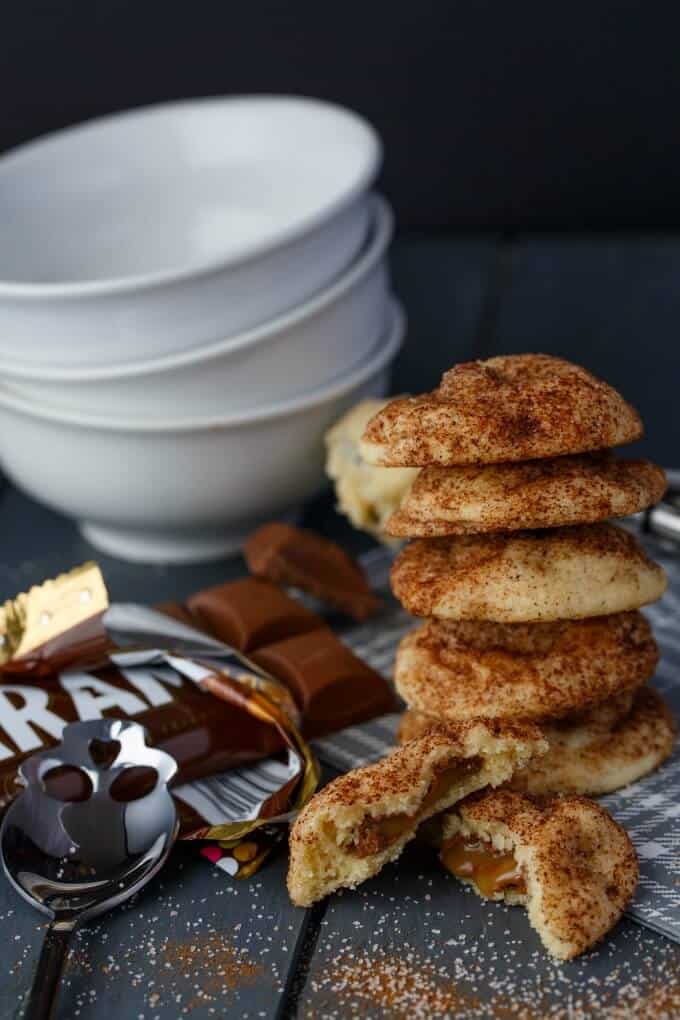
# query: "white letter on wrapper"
(16, 722)
(91, 696)
(147, 683)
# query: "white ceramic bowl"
(323, 339)
(148, 232)
(158, 492)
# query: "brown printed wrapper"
(66, 655)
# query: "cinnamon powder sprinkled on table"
(212, 962)
(414, 945)
(172, 954)
(409, 987)
(198, 970)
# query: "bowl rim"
(27, 290)
(384, 351)
(380, 234)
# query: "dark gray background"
(499, 119)
(494, 114)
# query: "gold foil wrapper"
(231, 833)
(49, 609)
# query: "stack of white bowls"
(189, 296)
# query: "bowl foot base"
(139, 546)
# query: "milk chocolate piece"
(305, 560)
(332, 687)
(178, 612)
(250, 613)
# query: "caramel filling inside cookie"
(376, 834)
(492, 871)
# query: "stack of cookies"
(529, 674)
(531, 599)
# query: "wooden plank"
(611, 303)
(414, 943)
(193, 943)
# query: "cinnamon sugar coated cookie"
(363, 819)
(532, 494)
(595, 756)
(516, 407)
(564, 858)
(527, 576)
(596, 721)
(599, 751)
(454, 670)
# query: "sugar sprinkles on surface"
(444, 961)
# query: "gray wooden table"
(195, 943)
(411, 943)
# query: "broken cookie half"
(564, 858)
(363, 819)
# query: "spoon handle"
(43, 995)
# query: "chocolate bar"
(65, 656)
(204, 734)
(199, 700)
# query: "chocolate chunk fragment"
(305, 560)
(250, 613)
(333, 688)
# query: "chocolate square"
(250, 613)
(332, 687)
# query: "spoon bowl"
(94, 824)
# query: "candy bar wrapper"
(65, 655)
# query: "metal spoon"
(94, 824)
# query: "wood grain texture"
(193, 943)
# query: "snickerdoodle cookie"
(596, 756)
(579, 489)
(527, 576)
(519, 407)
(363, 819)
(591, 724)
(595, 752)
(455, 670)
(564, 858)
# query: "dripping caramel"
(491, 870)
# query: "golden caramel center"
(445, 780)
(376, 834)
(492, 871)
